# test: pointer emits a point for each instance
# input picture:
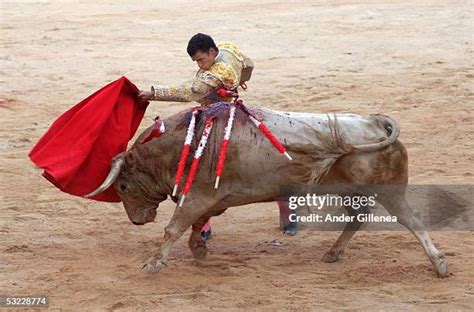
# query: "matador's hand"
(145, 96)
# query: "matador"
(222, 66)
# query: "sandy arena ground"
(412, 60)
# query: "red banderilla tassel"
(261, 126)
(157, 131)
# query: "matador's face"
(205, 60)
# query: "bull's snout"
(142, 217)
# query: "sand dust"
(412, 60)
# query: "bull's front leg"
(182, 219)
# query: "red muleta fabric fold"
(77, 149)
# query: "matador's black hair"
(200, 42)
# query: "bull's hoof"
(442, 268)
(154, 266)
(291, 229)
(290, 232)
(331, 256)
(200, 252)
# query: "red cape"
(77, 150)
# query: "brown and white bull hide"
(342, 149)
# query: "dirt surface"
(412, 60)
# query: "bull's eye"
(122, 187)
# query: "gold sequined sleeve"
(192, 90)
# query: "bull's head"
(136, 186)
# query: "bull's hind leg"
(196, 243)
(349, 231)
(400, 208)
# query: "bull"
(346, 149)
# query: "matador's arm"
(192, 90)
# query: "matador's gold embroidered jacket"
(230, 69)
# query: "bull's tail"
(393, 130)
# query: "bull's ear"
(130, 160)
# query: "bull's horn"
(113, 174)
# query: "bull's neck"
(161, 155)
